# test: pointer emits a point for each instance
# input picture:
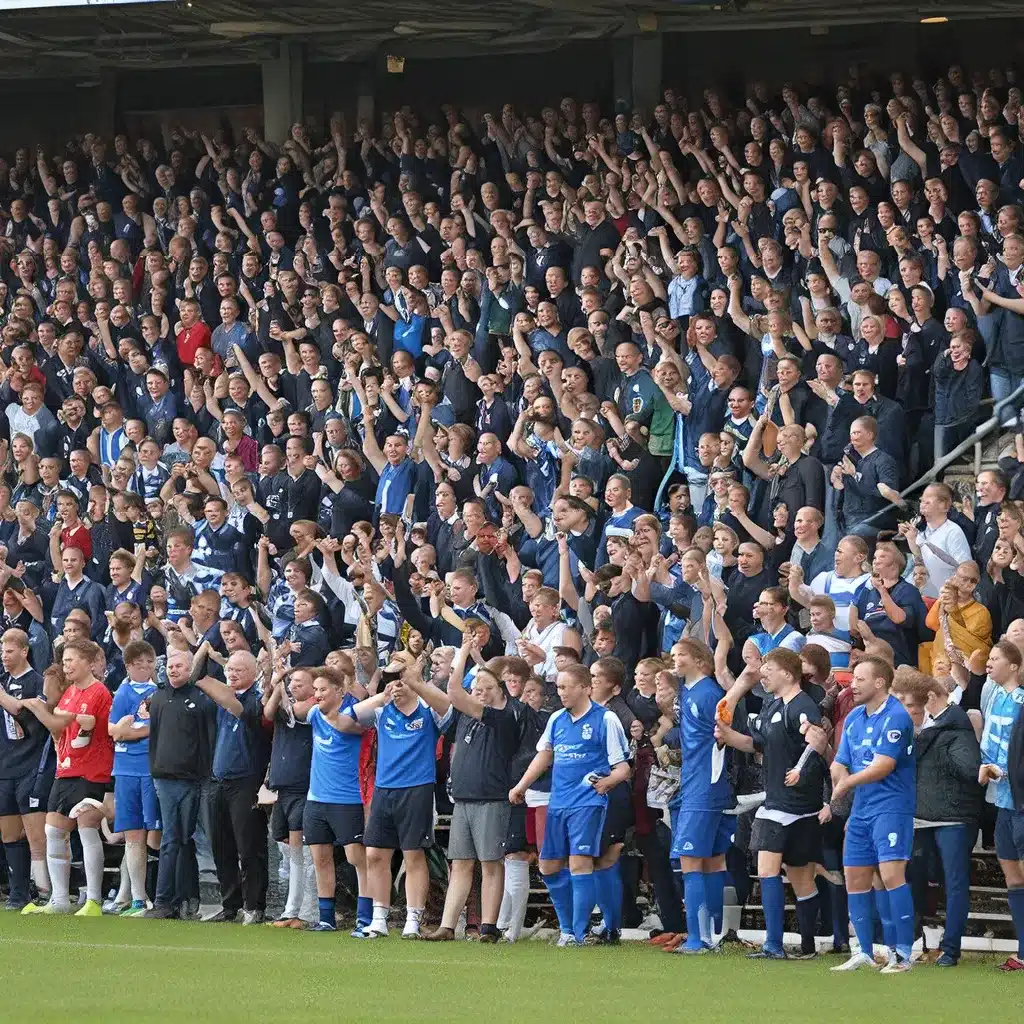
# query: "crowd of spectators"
(334, 468)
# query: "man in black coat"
(949, 800)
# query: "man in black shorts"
(27, 764)
(402, 811)
(290, 755)
(787, 827)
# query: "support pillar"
(622, 74)
(105, 105)
(647, 71)
(366, 96)
(282, 91)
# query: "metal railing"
(991, 425)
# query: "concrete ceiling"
(76, 41)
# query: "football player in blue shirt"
(136, 808)
(402, 811)
(703, 832)
(586, 749)
(876, 761)
(333, 815)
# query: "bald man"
(180, 758)
(238, 828)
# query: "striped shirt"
(844, 591)
(111, 445)
(838, 648)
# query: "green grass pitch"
(61, 969)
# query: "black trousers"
(238, 836)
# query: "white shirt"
(948, 538)
(547, 640)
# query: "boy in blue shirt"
(586, 749)
(876, 760)
(703, 832)
(136, 808)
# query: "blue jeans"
(951, 845)
(179, 813)
(1002, 383)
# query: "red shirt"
(197, 336)
(248, 450)
(77, 537)
(82, 754)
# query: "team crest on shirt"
(638, 404)
(694, 710)
(893, 736)
(587, 732)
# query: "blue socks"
(364, 911)
(901, 912)
(694, 896)
(327, 910)
(884, 908)
(1015, 896)
(774, 907)
(19, 868)
(862, 915)
(714, 895)
(609, 895)
(584, 896)
(840, 915)
(560, 891)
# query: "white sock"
(295, 879)
(92, 855)
(517, 893)
(282, 848)
(41, 876)
(413, 916)
(58, 860)
(380, 917)
(135, 856)
(505, 908)
(309, 909)
(124, 892)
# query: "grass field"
(134, 970)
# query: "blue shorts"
(877, 840)
(702, 833)
(1009, 834)
(573, 832)
(135, 803)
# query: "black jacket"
(182, 730)
(948, 759)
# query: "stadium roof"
(55, 41)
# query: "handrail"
(983, 431)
